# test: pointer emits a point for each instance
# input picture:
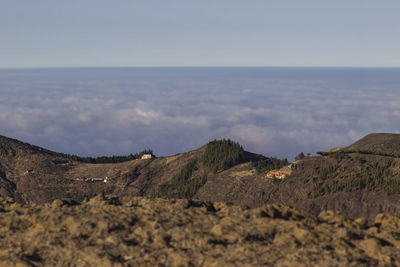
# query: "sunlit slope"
(377, 143)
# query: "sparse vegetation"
(182, 185)
(264, 165)
(344, 152)
(384, 144)
(377, 178)
(338, 155)
(107, 159)
(94, 160)
(223, 154)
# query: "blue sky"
(50, 33)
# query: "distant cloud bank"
(272, 111)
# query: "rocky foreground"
(107, 231)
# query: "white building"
(147, 156)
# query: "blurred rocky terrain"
(135, 231)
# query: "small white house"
(147, 156)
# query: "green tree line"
(223, 154)
(108, 159)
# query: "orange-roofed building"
(276, 174)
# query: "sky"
(76, 33)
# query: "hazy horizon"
(193, 66)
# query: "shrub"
(300, 156)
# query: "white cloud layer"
(276, 112)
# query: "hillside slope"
(355, 184)
(34, 175)
(378, 143)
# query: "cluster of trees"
(300, 156)
(339, 155)
(376, 178)
(264, 165)
(107, 159)
(183, 185)
(223, 154)
(102, 159)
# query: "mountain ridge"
(355, 184)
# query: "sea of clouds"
(273, 111)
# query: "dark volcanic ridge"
(132, 231)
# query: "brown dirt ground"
(110, 231)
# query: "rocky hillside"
(353, 184)
(357, 184)
(31, 174)
(110, 231)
